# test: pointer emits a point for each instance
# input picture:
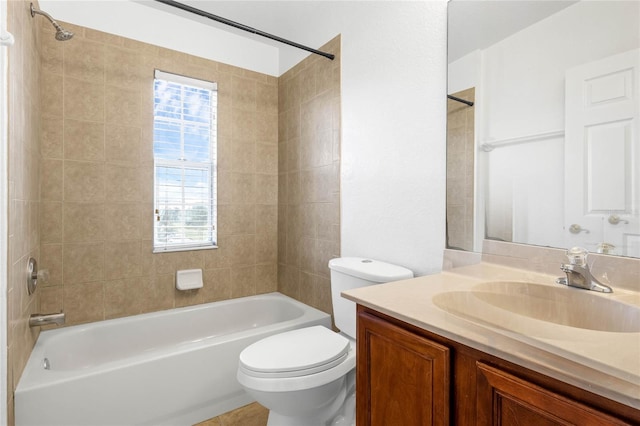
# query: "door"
(602, 155)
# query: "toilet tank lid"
(369, 269)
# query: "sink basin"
(558, 305)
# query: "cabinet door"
(504, 399)
(402, 378)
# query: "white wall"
(394, 125)
(393, 107)
(465, 72)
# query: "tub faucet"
(36, 320)
(579, 273)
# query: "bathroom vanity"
(478, 347)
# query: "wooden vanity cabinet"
(403, 378)
(408, 376)
(505, 399)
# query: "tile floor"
(249, 415)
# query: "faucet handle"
(577, 256)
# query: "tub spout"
(36, 320)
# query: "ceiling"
(477, 24)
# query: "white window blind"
(184, 151)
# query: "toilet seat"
(295, 353)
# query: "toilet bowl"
(306, 377)
(302, 375)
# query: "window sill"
(188, 248)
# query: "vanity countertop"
(603, 362)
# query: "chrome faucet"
(579, 274)
(36, 320)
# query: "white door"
(602, 154)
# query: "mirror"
(549, 153)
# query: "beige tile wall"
(309, 176)
(460, 171)
(97, 180)
(81, 180)
(24, 162)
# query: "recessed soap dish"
(189, 279)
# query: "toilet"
(306, 377)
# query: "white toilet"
(306, 377)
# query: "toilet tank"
(354, 272)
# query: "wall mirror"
(549, 153)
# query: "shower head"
(61, 33)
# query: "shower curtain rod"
(455, 98)
(243, 27)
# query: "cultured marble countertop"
(602, 362)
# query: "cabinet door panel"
(403, 378)
(504, 399)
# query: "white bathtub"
(175, 367)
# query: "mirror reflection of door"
(460, 170)
(602, 155)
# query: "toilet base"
(341, 413)
(346, 416)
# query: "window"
(184, 153)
